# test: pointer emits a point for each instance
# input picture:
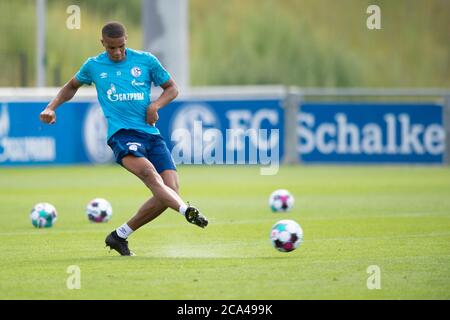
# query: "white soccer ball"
(99, 210)
(281, 200)
(286, 235)
(43, 215)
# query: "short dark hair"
(113, 29)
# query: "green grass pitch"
(396, 218)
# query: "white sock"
(124, 231)
(182, 209)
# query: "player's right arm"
(66, 93)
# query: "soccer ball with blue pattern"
(286, 235)
(43, 215)
(99, 210)
(281, 201)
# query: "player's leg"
(191, 213)
(152, 208)
(164, 188)
(160, 156)
(164, 197)
(144, 170)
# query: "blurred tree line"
(292, 42)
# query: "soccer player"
(122, 78)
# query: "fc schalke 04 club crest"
(136, 72)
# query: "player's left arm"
(170, 92)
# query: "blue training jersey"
(123, 88)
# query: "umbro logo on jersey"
(103, 75)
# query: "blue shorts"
(140, 144)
